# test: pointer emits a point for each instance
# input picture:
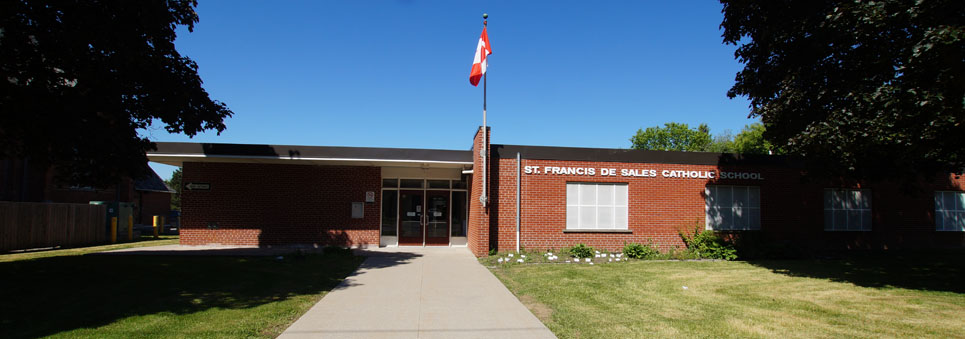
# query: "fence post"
(113, 230)
(130, 227)
(156, 219)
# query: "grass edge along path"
(36, 254)
(733, 299)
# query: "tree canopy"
(79, 79)
(860, 87)
(672, 137)
(680, 137)
(175, 184)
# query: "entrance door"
(437, 218)
(411, 204)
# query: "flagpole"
(484, 199)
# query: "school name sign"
(640, 173)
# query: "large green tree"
(80, 78)
(672, 137)
(860, 87)
(175, 184)
(751, 141)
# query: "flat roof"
(639, 156)
(177, 153)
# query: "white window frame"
(848, 210)
(618, 208)
(714, 221)
(950, 219)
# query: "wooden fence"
(25, 225)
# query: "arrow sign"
(198, 186)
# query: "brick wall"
(273, 204)
(151, 204)
(478, 232)
(659, 208)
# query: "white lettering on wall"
(641, 173)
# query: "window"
(390, 211)
(847, 210)
(950, 211)
(732, 207)
(591, 206)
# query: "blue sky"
(395, 73)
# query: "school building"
(540, 197)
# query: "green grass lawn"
(74, 295)
(871, 296)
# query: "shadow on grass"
(46, 296)
(936, 270)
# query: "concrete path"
(419, 293)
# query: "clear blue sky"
(395, 73)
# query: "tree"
(722, 143)
(861, 87)
(672, 137)
(175, 184)
(751, 141)
(80, 78)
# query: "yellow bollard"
(113, 230)
(130, 228)
(156, 219)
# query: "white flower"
(519, 260)
(611, 259)
(597, 252)
(500, 260)
(550, 253)
(567, 261)
(591, 263)
(510, 255)
(522, 256)
(588, 260)
(685, 287)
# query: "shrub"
(581, 251)
(640, 251)
(709, 245)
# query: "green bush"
(640, 251)
(581, 251)
(709, 245)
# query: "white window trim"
(943, 229)
(865, 192)
(616, 204)
(707, 207)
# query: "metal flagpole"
(484, 199)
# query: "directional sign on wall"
(197, 186)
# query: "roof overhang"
(176, 154)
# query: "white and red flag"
(483, 49)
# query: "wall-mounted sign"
(370, 196)
(641, 173)
(197, 186)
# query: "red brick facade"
(275, 204)
(478, 233)
(661, 208)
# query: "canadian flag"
(479, 62)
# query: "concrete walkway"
(419, 293)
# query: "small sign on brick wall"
(197, 186)
(370, 196)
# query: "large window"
(950, 211)
(596, 206)
(847, 210)
(732, 208)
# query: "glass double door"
(423, 217)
